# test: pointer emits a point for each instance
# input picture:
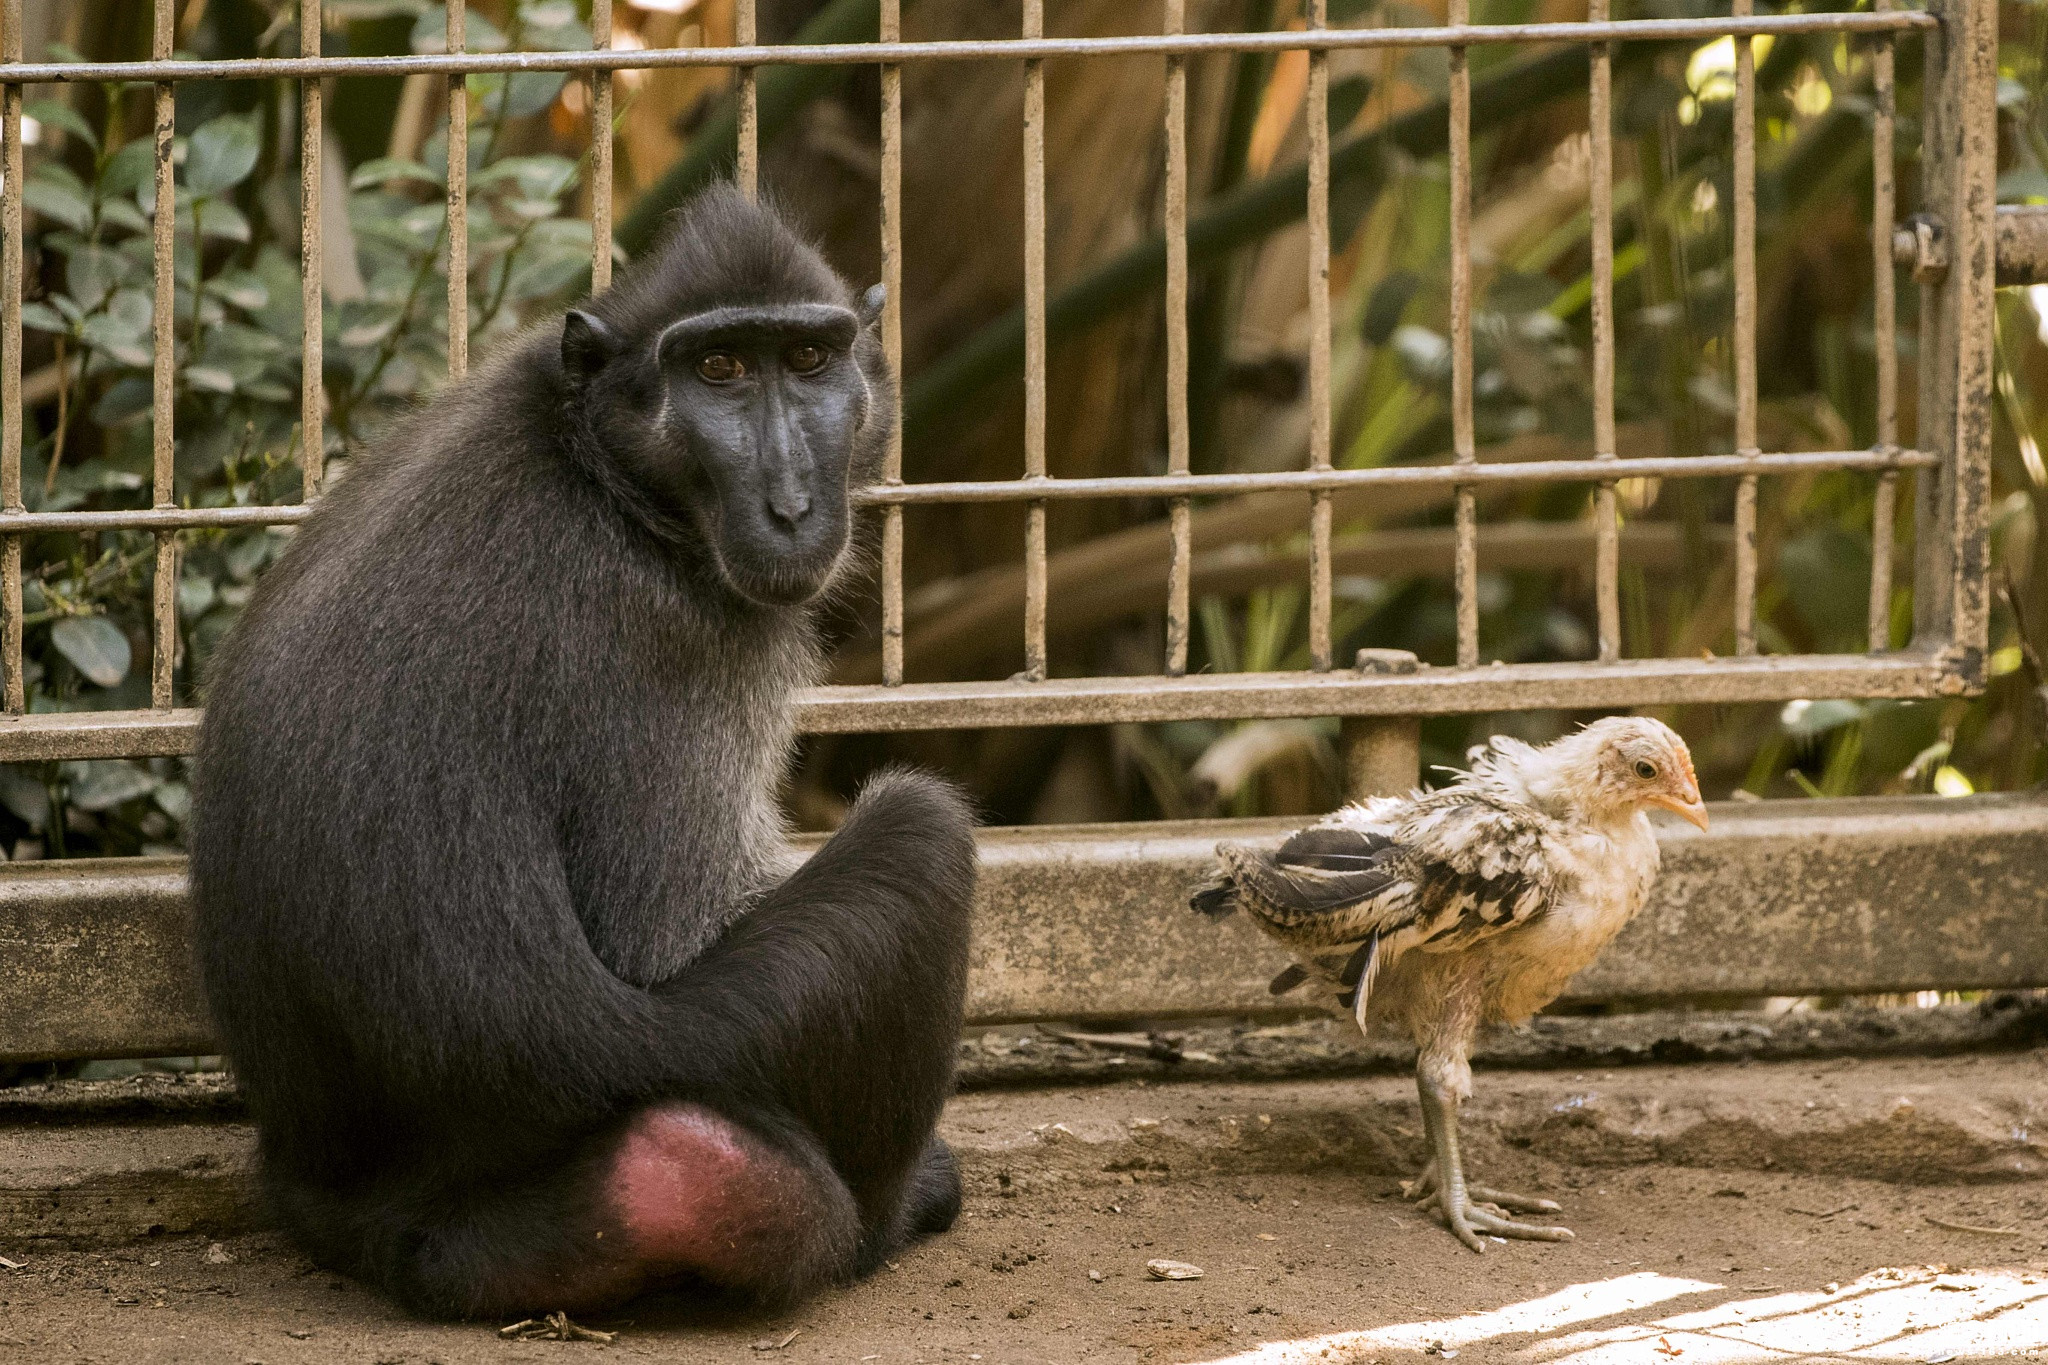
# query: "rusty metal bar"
(1179, 515)
(869, 54)
(749, 168)
(1958, 174)
(891, 30)
(312, 355)
(1743, 341)
(164, 367)
(1034, 346)
(1464, 448)
(458, 204)
(1433, 475)
(1135, 486)
(1318, 117)
(1606, 512)
(11, 262)
(1576, 686)
(1885, 327)
(600, 152)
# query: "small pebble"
(1173, 1270)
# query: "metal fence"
(1950, 247)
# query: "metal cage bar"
(1743, 341)
(1949, 461)
(458, 203)
(891, 30)
(312, 142)
(1884, 326)
(1606, 512)
(600, 151)
(1317, 112)
(164, 367)
(11, 260)
(1034, 346)
(749, 151)
(997, 49)
(1464, 449)
(1179, 512)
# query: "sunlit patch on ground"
(1919, 1314)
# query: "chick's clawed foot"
(1482, 1210)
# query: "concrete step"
(108, 1162)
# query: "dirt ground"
(1723, 1214)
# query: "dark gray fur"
(487, 855)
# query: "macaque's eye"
(805, 359)
(719, 367)
(1645, 769)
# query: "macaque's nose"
(789, 505)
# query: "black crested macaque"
(496, 911)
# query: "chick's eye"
(1645, 769)
(805, 359)
(719, 367)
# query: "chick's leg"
(1441, 1083)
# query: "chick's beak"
(1686, 806)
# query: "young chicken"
(1443, 911)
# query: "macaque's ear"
(871, 304)
(588, 345)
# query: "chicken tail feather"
(1215, 898)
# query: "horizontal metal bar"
(1208, 696)
(1079, 922)
(999, 49)
(1312, 480)
(1132, 486)
(151, 518)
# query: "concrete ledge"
(1090, 922)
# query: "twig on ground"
(1977, 1228)
(770, 1344)
(554, 1327)
(1818, 1214)
(1154, 1045)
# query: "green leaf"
(46, 193)
(129, 169)
(195, 595)
(208, 379)
(430, 32)
(43, 318)
(51, 114)
(102, 784)
(547, 13)
(22, 793)
(222, 219)
(386, 169)
(122, 213)
(95, 646)
(221, 154)
(240, 288)
(93, 274)
(538, 177)
(526, 93)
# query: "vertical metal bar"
(10, 356)
(601, 152)
(1959, 155)
(749, 169)
(891, 31)
(1180, 571)
(1606, 527)
(1884, 318)
(458, 204)
(1463, 445)
(1318, 114)
(312, 401)
(1744, 338)
(164, 371)
(1382, 755)
(1034, 344)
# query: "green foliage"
(236, 326)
